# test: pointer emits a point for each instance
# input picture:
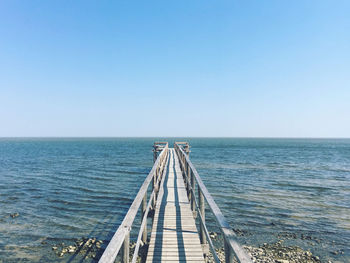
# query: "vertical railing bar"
(228, 253)
(188, 175)
(153, 184)
(202, 212)
(144, 207)
(194, 189)
(126, 245)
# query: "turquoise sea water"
(267, 188)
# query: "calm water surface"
(267, 188)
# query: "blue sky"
(175, 68)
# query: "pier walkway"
(174, 235)
(175, 212)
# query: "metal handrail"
(122, 236)
(232, 248)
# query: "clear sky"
(175, 68)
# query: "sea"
(56, 190)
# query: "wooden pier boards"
(174, 236)
(174, 181)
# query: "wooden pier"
(174, 235)
(175, 205)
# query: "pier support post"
(126, 245)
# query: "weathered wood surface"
(174, 236)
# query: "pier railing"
(193, 181)
(121, 239)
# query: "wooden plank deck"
(174, 236)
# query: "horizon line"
(190, 137)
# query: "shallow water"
(267, 188)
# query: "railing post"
(154, 154)
(144, 207)
(202, 235)
(157, 172)
(193, 185)
(187, 149)
(188, 181)
(189, 184)
(228, 253)
(184, 172)
(126, 245)
(153, 189)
